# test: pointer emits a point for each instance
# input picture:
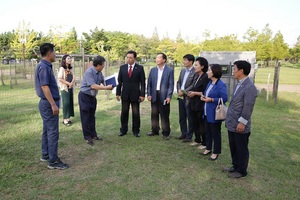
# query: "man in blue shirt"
(47, 89)
(92, 81)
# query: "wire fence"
(17, 78)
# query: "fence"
(16, 75)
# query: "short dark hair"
(216, 70)
(98, 60)
(63, 61)
(163, 55)
(243, 64)
(203, 62)
(132, 52)
(45, 48)
(190, 57)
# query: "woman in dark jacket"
(200, 82)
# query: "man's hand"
(109, 87)
(180, 93)
(55, 109)
(168, 100)
(149, 98)
(118, 98)
(240, 127)
(142, 99)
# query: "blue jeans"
(50, 130)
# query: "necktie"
(130, 71)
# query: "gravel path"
(281, 88)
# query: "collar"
(190, 69)
(46, 62)
(131, 65)
(94, 70)
(242, 80)
(162, 67)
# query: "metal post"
(10, 82)
(276, 82)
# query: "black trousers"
(136, 122)
(185, 118)
(238, 144)
(159, 109)
(87, 108)
(198, 126)
(213, 136)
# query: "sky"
(190, 18)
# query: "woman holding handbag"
(215, 90)
(66, 81)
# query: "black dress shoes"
(236, 175)
(180, 138)
(228, 169)
(166, 137)
(97, 138)
(187, 140)
(90, 141)
(152, 134)
(122, 134)
(137, 134)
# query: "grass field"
(287, 75)
(145, 168)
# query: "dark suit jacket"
(166, 84)
(195, 102)
(241, 105)
(219, 90)
(131, 88)
(189, 81)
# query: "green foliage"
(280, 50)
(116, 44)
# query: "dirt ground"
(281, 88)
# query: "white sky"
(189, 17)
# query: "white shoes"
(202, 147)
(194, 144)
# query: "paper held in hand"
(111, 80)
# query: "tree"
(168, 47)
(280, 50)
(264, 45)
(23, 43)
(93, 40)
(154, 43)
(250, 40)
(295, 51)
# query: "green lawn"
(145, 167)
(287, 75)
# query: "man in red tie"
(131, 91)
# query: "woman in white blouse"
(66, 82)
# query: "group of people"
(199, 89)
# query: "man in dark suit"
(238, 119)
(160, 88)
(184, 85)
(131, 90)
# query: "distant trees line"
(24, 43)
